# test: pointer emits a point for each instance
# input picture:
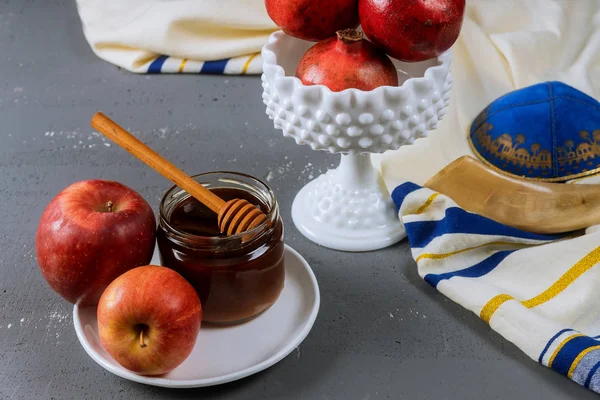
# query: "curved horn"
(528, 205)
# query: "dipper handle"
(234, 216)
(126, 140)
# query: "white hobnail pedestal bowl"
(349, 208)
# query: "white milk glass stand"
(349, 208)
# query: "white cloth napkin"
(171, 36)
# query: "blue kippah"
(549, 131)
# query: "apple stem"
(142, 343)
(109, 206)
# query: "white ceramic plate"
(225, 354)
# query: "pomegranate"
(413, 30)
(347, 61)
(313, 19)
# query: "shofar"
(521, 203)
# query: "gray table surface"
(381, 332)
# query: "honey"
(236, 277)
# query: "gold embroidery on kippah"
(505, 148)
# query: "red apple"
(313, 19)
(148, 319)
(91, 233)
(415, 30)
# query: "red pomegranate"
(347, 61)
(313, 19)
(413, 30)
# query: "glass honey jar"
(236, 277)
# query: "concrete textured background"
(381, 333)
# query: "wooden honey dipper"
(234, 216)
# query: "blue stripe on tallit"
(214, 67)
(401, 191)
(565, 357)
(591, 374)
(157, 64)
(585, 366)
(552, 339)
(457, 220)
(474, 271)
